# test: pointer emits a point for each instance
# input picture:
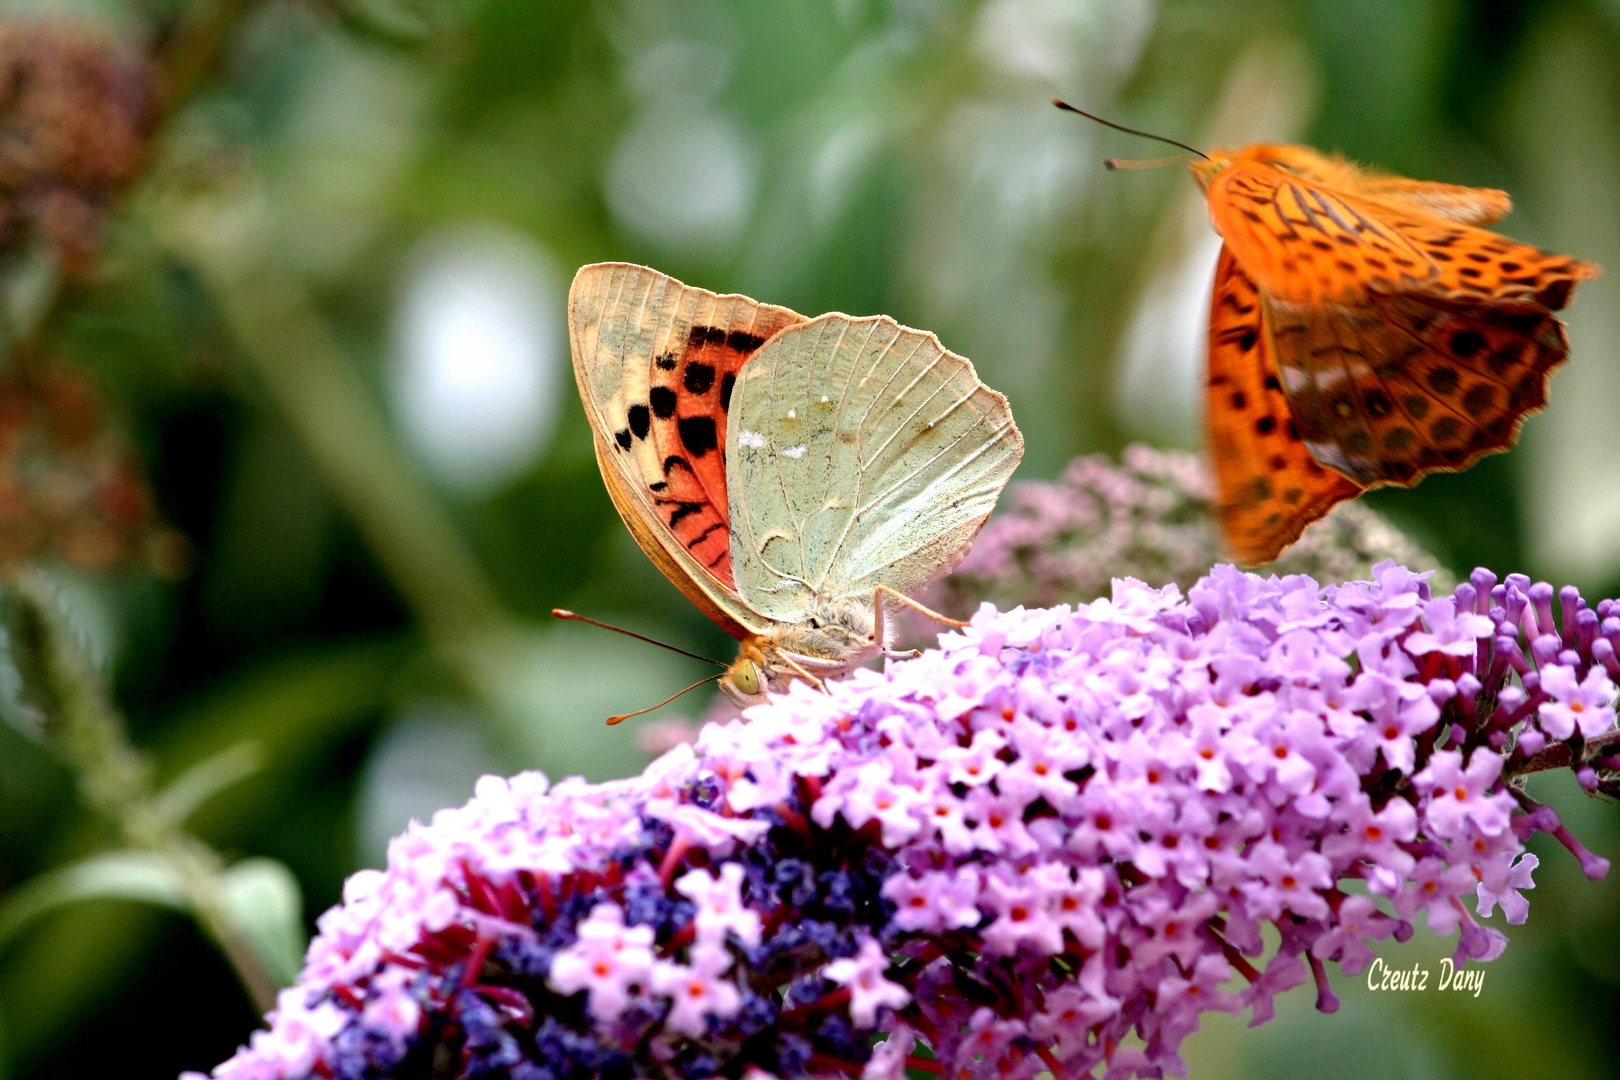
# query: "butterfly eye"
(745, 677)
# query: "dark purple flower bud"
(1603, 653)
(1541, 597)
(1586, 627)
(1570, 602)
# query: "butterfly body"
(1364, 330)
(785, 473)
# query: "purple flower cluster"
(1151, 516)
(1051, 844)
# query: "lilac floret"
(1049, 845)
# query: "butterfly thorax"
(837, 636)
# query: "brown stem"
(1559, 756)
(193, 50)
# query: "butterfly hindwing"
(1268, 487)
(860, 454)
(1407, 385)
(656, 363)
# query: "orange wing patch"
(1397, 337)
(676, 434)
(1268, 487)
(685, 415)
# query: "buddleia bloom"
(1050, 844)
(1149, 516)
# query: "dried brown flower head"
(73, 118)
(69, 485)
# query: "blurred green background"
(327, 319)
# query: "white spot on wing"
(794, 452)
(751, 440)
(793, 414)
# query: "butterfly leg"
(877, 617)
(799, 669)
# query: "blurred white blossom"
(478, 344)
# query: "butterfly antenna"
(625, 716)
(1114, 163)
(563, 613)
(1064, 105)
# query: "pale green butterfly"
(785, 473)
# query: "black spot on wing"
(698, 378)
(697, 433)
(744, 342)
(700, 336)
(1465, 343)
(622, 438)
(727, 382)
(640, 421)
(683, 510)
(666, 362)
(663, 402)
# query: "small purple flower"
(1459, 795)
(863, 976)
(1501, 885)
(1584, 705)
(1452, 632)
(608, 960)
(696, 991)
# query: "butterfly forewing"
(1268, 487)
(1307, 244)
(656, 364)
(860, 454)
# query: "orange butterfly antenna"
(563, 613)
(1115, 164)
(625, 716)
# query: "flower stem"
(114, 778)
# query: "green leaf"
(261, 904)
(197, 784)
(126, 875)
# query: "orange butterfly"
(1364, 330)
